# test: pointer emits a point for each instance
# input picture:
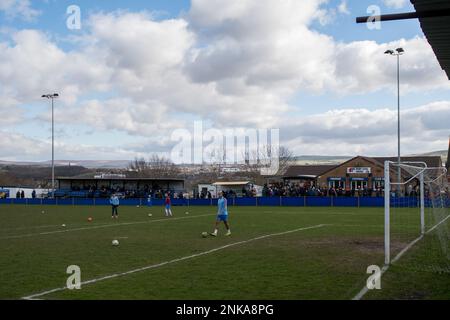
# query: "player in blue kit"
(222, 215)
(114, 201)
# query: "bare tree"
(138, 165)
(157, 167)
(286, 159)
(256, 160)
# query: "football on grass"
(115, 243)
(204, 234)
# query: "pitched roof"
(436, 29)
(91, 178)
(307, 170)
(372, 160)
(318, 170)
(431, 161)
(230, 183)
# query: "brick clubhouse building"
(357, 173)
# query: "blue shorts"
(222, 217)
(167, 206)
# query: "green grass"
(326, 262)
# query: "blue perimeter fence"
(272, 201)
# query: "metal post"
(387, 203)
(53, 151)
(422, 204)
(398, 129)
(407, 15)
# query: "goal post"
(387, 214)
(414, 206)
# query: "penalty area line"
(154, 266)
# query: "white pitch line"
(314, 214)
(30, 227)
(100, 226)
(432, 229)
(364, 290)
(116, 275)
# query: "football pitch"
(273, 253)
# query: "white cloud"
(151, 73)
(33, 65)
(348, 131)
(370, 132)
(10, 114)
(396, 4)
(135, 42)
(343, 8)
(254, 49)
(240, 65)
(19, 8)
(15, 146)
(362, 67)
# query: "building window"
(336, 184)
(357, 184)
(378, 184)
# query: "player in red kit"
(168, 204)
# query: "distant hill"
(34, 175)
(122, 164)
(315, 160)
(90, 164)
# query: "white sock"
(215, 231)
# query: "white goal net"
(417, 214)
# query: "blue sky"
(53, 17)
(214, 63)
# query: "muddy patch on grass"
(366, 244)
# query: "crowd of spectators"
(204, 195)
(246, 193)
(155, 192)
(284, 189)
(20, 194)
(249, 192)
(278, 189)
